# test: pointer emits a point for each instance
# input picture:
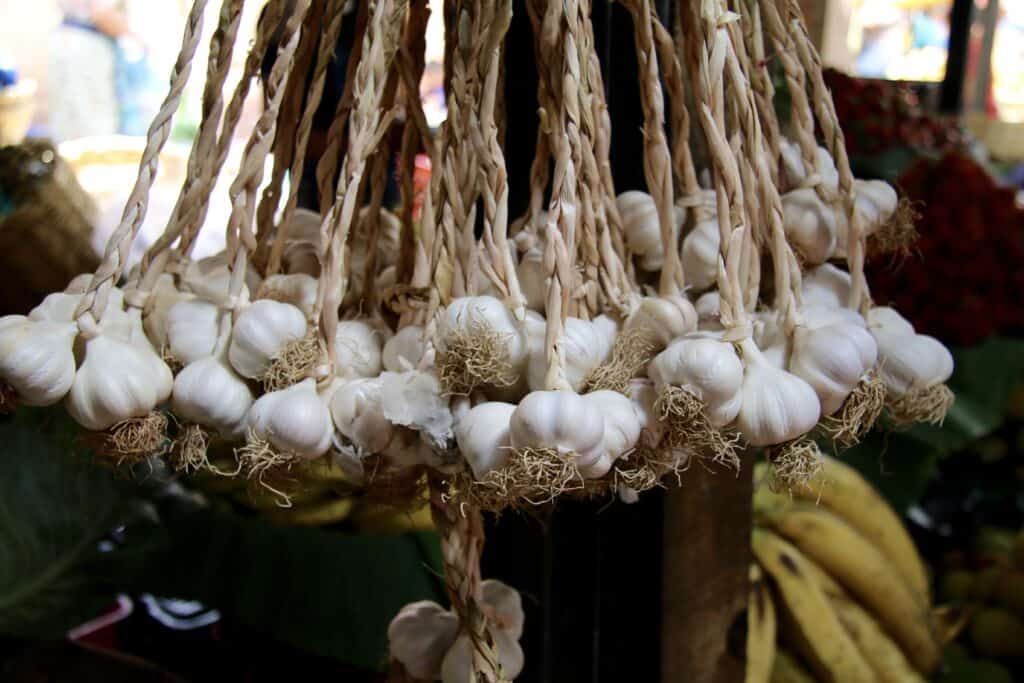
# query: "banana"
(786, 669)
(807, 613)
(760, 629)
(843, 490)
(321, 513)
(881, 653)
(865, 572)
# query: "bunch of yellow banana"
(839, 593)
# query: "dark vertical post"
(951, 100)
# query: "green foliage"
(960, 668)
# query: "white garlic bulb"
(420, 636)
(505, 607)
(585, 343)
(810, 224)
(707, 368)
(37, 358)
(796, 172)
(663, 319)
(709, 306)
(469, 314)
(483, 437)
(832, 359)
(875, 202)
(210, 278)
(119, 378)
(700, 253)
(359, 416)
(193, 328)
(826, 285)
(642, 228)
(404, 350)
(162, 299)
(297, 289)
(261, 332)
(622, 423)
(301, 253)
(559, 420)
(533, 278)
(295, 420)
(907, 361)
(777, 406)
(57, 307)
(357, 350)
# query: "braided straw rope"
(755, 64)
(94, 301)
(672, 77)
(222, 46)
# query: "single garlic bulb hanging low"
(832, 359)
(662, 319)
(359, 417)
(295, 420)
(642, 228)
(37, 358)
(357, 346)
(483, 437)
(585, 343)
(700, 253)
(908, 361)
(504, 608)
(121, 377)
(405, 349)
(209, 393)
(261, 332)
(707, 368)
(810, 224)
(193, 328)
(558, 420)
(420, 636)
(777, 406)
(297, 289)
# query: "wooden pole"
(705, 581)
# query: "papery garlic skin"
(357, 350)
(297, 289)
(622, 423)
(294, 420)
(467, 314)
(832, 359)
(777, 406)
(642, 227)
(700, 253)
(420, 636)
(193, 328)
(359, 417)
(558, 420)
(415, 399)
(826, 285)
(37, 358)
(118, 379)
(707, 368)
(162, 299)
(810, 224)
(405, 350)
(209, 393)
(908, 361)
(483, 437)
(585, 344)
(663, 319)
(261, 332)
(875, 202)
(210, 278)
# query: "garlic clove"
(622, 423)
(209, 393)
(510, 653)
(419, 637)
(162, 299)
(663, 319)
(457, 666)
(810, 224)
(359, 416)
(559, 420)
(260, 333)
(193, 328)
(295, 420)
(827, 285)
(776, 406)
(37, 358)
(357, 350)
(796, 171)
(483, 437)
(700, 254)
(404, 350)
(709, 306)
(297, 289)
(707, 368)
(883, 319)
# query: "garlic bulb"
(193, 328)
(875, 202)
(301, 253)
(58, 307)
(832, 359)
(663, 319)
(405, 350)
(796, 172)
(483, 437)
(295, 420)
(162, 299)
(359, 417)
(297, 289)
(826, 285)
(709, 306)
(533, 278)
(622, 423)
(585, 343)
(468, 315)
(506, 607)
(119, 378)
(907, 361)
(210, 278)
(707, 368)
(642, 228)
(420, 636)
(559, 420)
(260, 333)
(810, 224)
(700, 253)
(776, 405)
(37, 358)
(357, 350)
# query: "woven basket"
(17, 105)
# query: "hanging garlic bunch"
(479, 343)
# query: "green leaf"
(897, 464)
(962, 669)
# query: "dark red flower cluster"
(878, 115)
(964, 280)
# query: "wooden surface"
(706, 558)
